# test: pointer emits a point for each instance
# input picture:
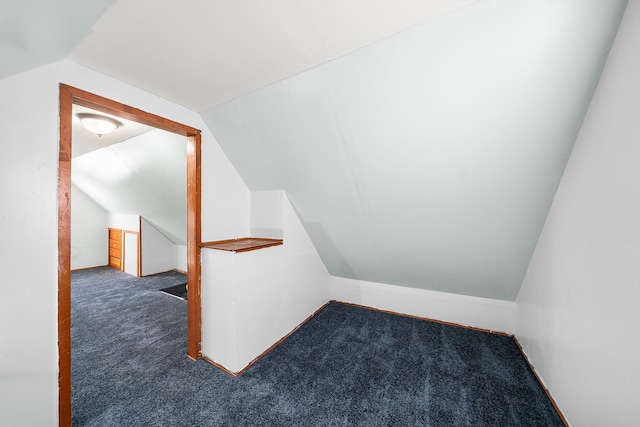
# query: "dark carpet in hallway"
(347, 366)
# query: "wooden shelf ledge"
(243, 244)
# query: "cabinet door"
(115, 262)
(115, 234)
(131, 253)
(115, 248)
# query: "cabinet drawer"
(115, 252)
(115, 235)
(114, 262)
(115, 244)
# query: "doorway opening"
(70, 96)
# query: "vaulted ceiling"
(145, 175)
(421, 142)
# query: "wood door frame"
(68, 97)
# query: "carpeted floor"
(346, 366)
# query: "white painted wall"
(130, 242)
(180, 258)
(144, 175)
(218, 290)
(430, 159)
(157, 250)
(28, 306)
(495, 315)
(89, 238)
(578, 312)
(258, 297)
(124, 221)
(28, 340)
(266, 214)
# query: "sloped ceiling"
(85, 141)
(430, 159)
(145, 175)
(199, 53)
(426, 151)
(36, 32)
(135, 170)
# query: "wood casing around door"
(115, 248)
(70, 96)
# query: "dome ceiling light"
(100, 125)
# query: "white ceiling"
(37, 32)
(135, 170)
(430, 159)
(199, 53)
(421, 142)
(85, 141)
(145, 175)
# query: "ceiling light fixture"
(100, 125)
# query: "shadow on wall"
(328, 251)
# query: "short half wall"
(250, 300)
(157, 250)
(483, 313)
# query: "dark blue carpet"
(346, 366)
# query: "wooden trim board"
(243, 244)
(546, 390)
(68, 96)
